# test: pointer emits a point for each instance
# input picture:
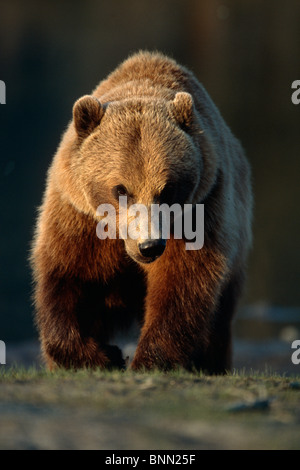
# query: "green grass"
(150, 410)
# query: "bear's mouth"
(143, 260)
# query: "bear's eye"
(119, 190)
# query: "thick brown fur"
(152, 128)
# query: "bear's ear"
(183, 109)
(87, 114)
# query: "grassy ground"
(178, 410)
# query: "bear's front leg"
(183, 290)
(70, 324)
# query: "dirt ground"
(125, 411)
(246, 410)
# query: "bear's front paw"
(114, 354)
(153, 353)
(152, 358)
(87, 355)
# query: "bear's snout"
(152, 249)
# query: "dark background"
(246, 53)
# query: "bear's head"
(144, 149)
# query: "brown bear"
(149, 132)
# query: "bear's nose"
(152, 248)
